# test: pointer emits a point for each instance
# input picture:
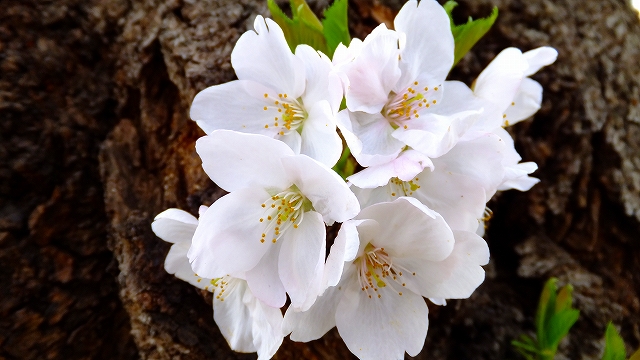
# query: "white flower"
(457, 185)
(271, 226)
(395, 254)
(246, 323)
(509, 95)
(289, 97)
(395, 86)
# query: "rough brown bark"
(95, 140)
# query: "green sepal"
(467, 35)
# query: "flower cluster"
(432, 153)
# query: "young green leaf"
(303, 27)
(467, 35)
(335, 26)
(545, 311)
(558, 327)
(614, 345)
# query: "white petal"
(434, 135)
(315, 322)
(526, 102)
(320, 140)
(328, 193)
(227, 240)
(429, 43)
(322, 84)
(407, 228)
(301, 260)
(480, 159)
(459, 199)
(374, 72)
(177, 263)
(539, 58)
(368, 197)
(174, 226)
(293, 140)
(237, 105)
(263, 279)
(233, 317)
(457, 276)
(266, 330)
(516, 177)
(438, 301)
(405, 167)
(369, 137)
(499, 82)
(235, 160)
(382, 328)
(345, 248)
(264, 56)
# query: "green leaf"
(467, 35)
(303, 27)
(614, 345)
(558, 327)
(545, 310)
(335, 26)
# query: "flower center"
(288, 114)
(408, 103)
(403, 188)
(282, 211)
(376, 269)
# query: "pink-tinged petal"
(263, 279)
(428, 48)
(263, 56)
(499, 82)
(382, 328)
(238, 105)
(407, 228)
(457, 276)
(344, 249)
(267, 329)
(235, 160)
(526, 102)
(539, 58)
(174, 226)
(374, 72)
(301, 260)
(369, 137)
(233, 317)
(320, 318)
(328, 193)
(459, 199)
(227, 240)
(322, 84)
(405, 167)
(320, 140)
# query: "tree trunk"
(95, 140)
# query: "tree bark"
(95, 140)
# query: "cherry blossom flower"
(271, 226)
(391, 256)
(457, 185)
(290, 97)
(395, 85)
(246, 323)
